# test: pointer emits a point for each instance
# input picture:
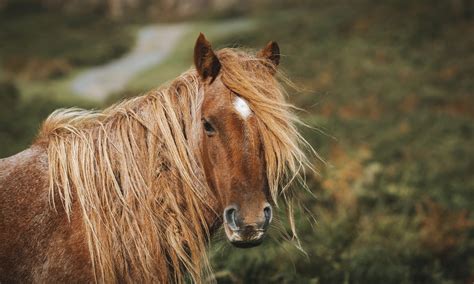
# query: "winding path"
(154, 44)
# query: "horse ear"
(271, 52)
(206, 62)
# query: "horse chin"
(246, 244)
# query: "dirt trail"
(154, 44)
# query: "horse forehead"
(241, 106)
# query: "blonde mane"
(135, 172)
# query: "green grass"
(79, 40)
(394, 200)
(33, 42)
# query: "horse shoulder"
(37, 242)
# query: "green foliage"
(77, 41)
(387, 85)
(20, 118)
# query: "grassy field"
(390, 88)
(393, 91)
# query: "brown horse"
(133, 193)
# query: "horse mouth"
(245, 238)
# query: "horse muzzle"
(244, 234)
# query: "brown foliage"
(37, 68)
(442, 229)
(347, 170)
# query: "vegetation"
(388, 87)
(395, 97)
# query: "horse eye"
(208, 128)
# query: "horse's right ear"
(271, 52)
(206, 62)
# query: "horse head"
(232, 151)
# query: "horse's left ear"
(206, 62)
(271, 52)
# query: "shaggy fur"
(135, 172)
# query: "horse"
(133, 193)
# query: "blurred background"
(388, 84)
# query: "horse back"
(37, 242)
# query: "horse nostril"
(229, 218)
(267, 211)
